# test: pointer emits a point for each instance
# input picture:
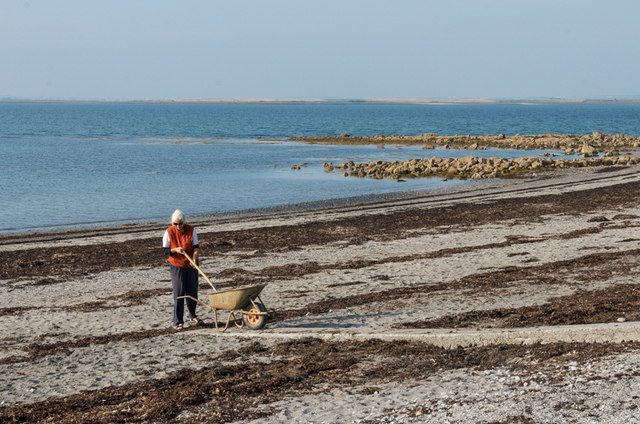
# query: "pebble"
(602, 400)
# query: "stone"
(588, 150)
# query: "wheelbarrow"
(241, 301)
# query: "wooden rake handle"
(200, 271)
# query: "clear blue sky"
(196, 49)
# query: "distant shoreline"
(414, 101)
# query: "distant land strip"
(340, 101)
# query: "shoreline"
(146, 224)
(143, 224)
(424, 101)
(596, 149)
(250, 213)
(357, 295)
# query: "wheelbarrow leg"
(215, 311)
(215, 321)
(235, 320)
(229, 320)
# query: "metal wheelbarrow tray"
(241, 300)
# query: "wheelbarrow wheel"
(254, 322)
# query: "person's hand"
(179, 250)
(195, 259)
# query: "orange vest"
(182, 239)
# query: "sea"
(68, 165)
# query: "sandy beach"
(502, 301)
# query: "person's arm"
(166, 244)
(196, 246)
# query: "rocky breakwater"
(468, 167)
(597, 141)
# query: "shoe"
(197, 321)
(178, 327)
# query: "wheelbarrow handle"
(196, 300)
(200, 271)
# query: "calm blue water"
(87, 164)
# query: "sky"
(344, 49)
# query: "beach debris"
(598, 218)
(625, 216)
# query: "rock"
(467, 167)
(597, 140)
(588, 150)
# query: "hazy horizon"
(620, 99)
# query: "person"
(178, 239)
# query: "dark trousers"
(185, 283)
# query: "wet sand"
(506, 301)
